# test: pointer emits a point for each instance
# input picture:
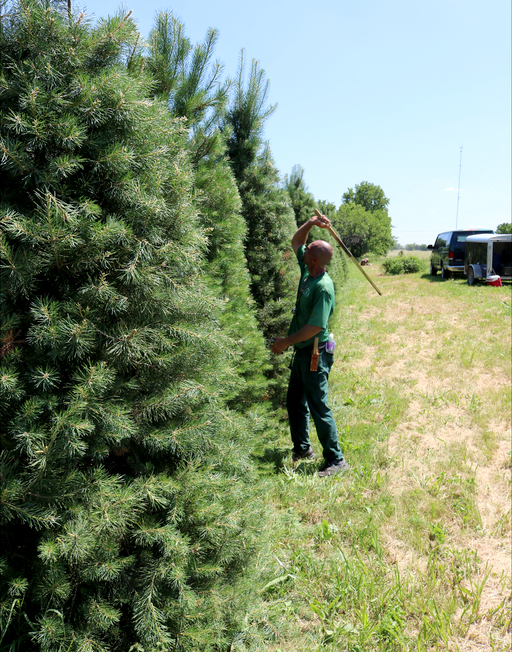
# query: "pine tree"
(127, 516)
(219, 203)
(192, 86)
(302, 201)
(266, 209)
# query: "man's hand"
(305, 333)
(321, 221)
(280, 345)
(301, 235)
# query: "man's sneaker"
(330, 468)
(304, 455)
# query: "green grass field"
(411, 549)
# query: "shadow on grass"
(306, 468)
(439, 279)
(281, 460)
(460, 279)
(274, 456)
(433, 279)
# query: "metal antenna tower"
(458, 190)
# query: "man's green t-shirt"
(315, 303)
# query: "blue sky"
(385, 91)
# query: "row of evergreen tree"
(144, 261)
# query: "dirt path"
(447, 347)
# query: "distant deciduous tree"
(368, 195)
(415, 247)
(363, 221)
(505, 227)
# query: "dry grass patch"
(452, 447)
(447, 353)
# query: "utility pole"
(458, 190)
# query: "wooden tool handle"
(313, 366)
(342, 245)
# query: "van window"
(458, 245)
(442, 240)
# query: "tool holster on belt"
(314, 356)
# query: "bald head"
(322, 250)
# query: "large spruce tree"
(127, 518)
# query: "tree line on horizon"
(145, 259)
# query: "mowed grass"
(411, 549)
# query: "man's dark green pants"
(308, 394)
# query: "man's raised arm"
(301, 235)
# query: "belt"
(309, 349)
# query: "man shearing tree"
(308, 390)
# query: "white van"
(488, 255)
